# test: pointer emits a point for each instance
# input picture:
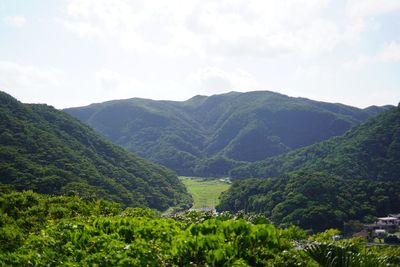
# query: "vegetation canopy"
(50, 152)
(208, 136)
(38, 230)
(351, 177)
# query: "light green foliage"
(333, 255)
(193, 217)
(325, 236)
(352, 252)
(100, 233)
(221, 243)
(205, 192)
(293, 233)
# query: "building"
(397, 216)
(388, 223)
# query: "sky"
(69, 53)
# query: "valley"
(205, 191)
(300, 172)
(200, 133)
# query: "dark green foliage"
(352, 177)
(217, 166)
(207, 136)
(368, 151)
(315, 201)
(48, 151)
(392, 239)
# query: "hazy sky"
(76, 52)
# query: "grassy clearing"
(205, 192)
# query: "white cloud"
(263, 28)
(212, 80)
(307, 72)
(113, 85)
(115, 20)
(15, 21)
(227, 28)
(17, 76)
(390, 53)
(361, 15)
(357, 63)
(371, 8)
(31, 83)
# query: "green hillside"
(368, 151)
(313, 200)
(50, 152)
(208, 136)
(352, 177)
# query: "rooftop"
(387, 218)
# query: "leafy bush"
(70, 231)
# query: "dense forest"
(39, 230)
(208, 136)
(313, 200)
(368, 151)
(351, 177)
(50, 152)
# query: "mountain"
(48, 151)
(352, 177)
(313, 200)
(367, 151)
(208, 136)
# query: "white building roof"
(387, 218)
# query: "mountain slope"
(352, 177)
(313, 200)
(204, 135)
(368, 151)
(50, 152)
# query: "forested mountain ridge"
(208, 136)
(313, 200)
(352, 177)
(50, 152)
(368, 151)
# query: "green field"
(205, 192)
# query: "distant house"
(397, 216)
(381, 227)
(388, 221)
